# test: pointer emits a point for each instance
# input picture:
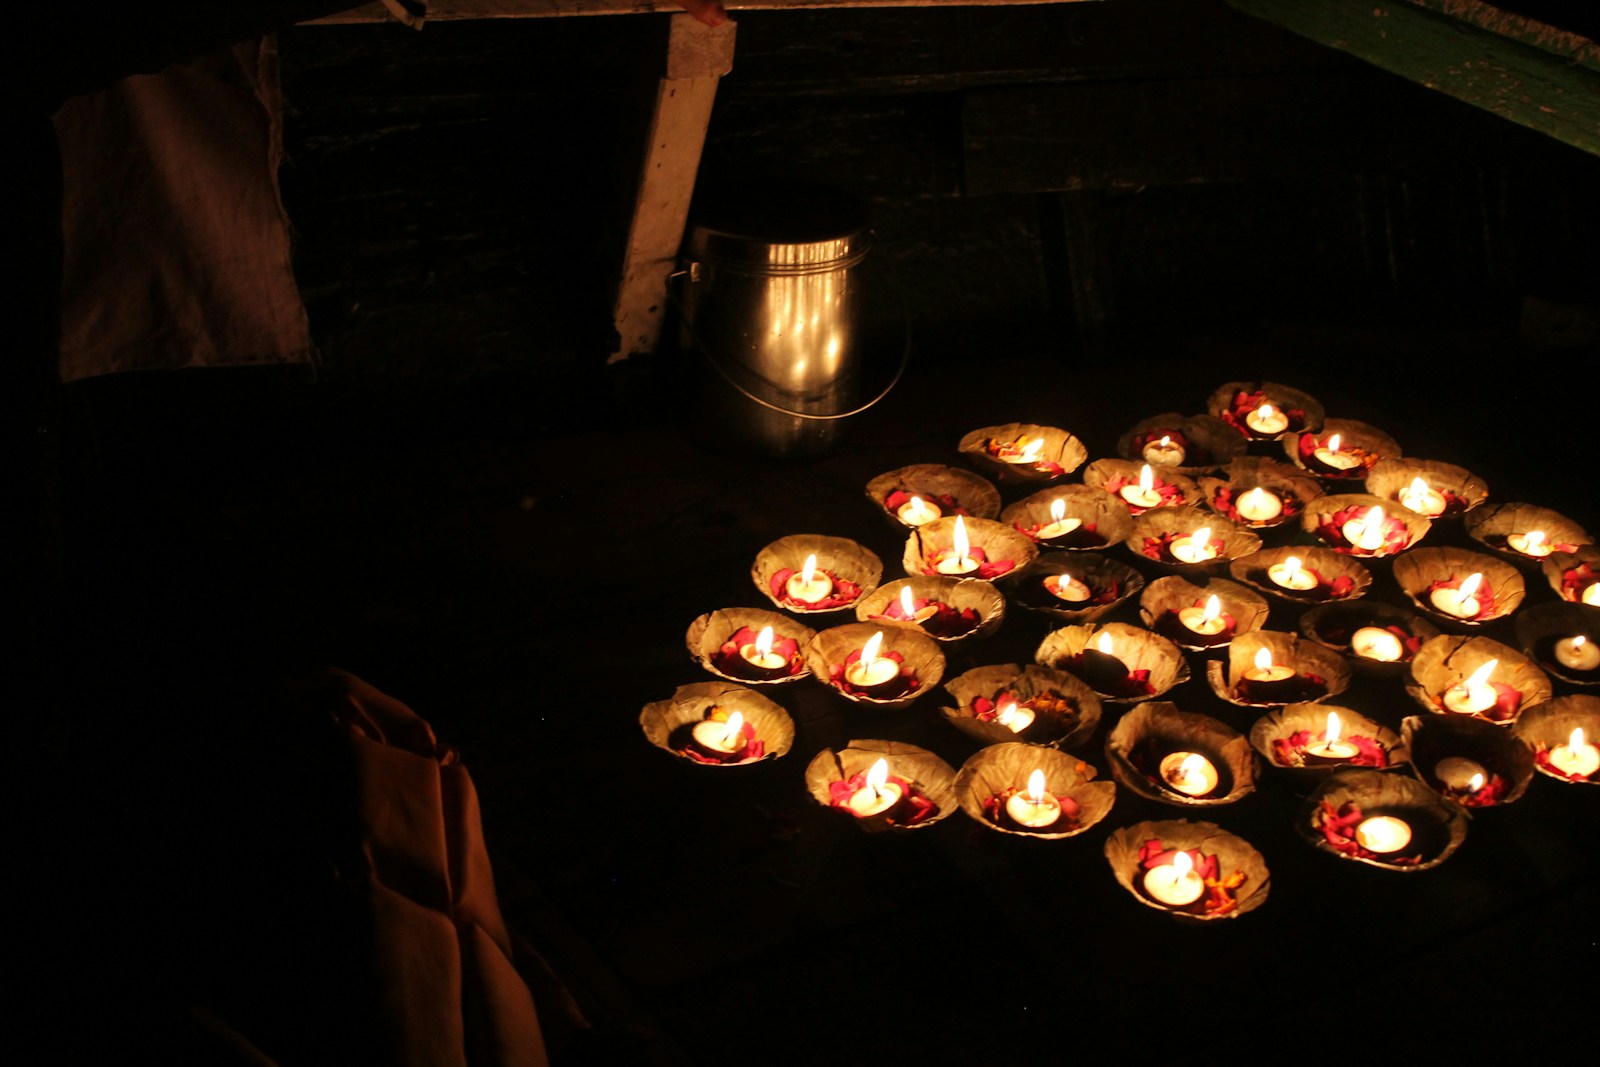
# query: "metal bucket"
(771, 298)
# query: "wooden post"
(697, 55)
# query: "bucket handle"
(688, 325)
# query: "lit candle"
(1144, 494)
(1024, 450)
(1267, 420)
(878, 795)
(1330, 749)
(1366, 532)
(1175, 884)
(1461, 601)
(1164, 453)
(1383, 834)
(1258, 505)
(1206, 621)
(721, 738)
(917, 512)
(1577, 653)
(1195, 548)
(1577, 758)
(1188, 773)
(810, 585)
(909, 609)
(759, 654)
(1376, 643)
(1265, 670)
(1034, 809)
(956, 562)
(1591, 595)
(1419, 497)
(1059, 525)
(1460, 774)
(1330, 456)
(1475, 695)
(1533, 543)
(869, 671)
(1066, 587)
(1290, 574)
(1014, 717)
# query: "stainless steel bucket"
(772, 303)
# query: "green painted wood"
(1542, 78)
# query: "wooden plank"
(1529, 73)
(445, 10)
(697, 56)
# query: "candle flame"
(1535, 540)
(735, 728)
(1334, 727)
(809, 570)
(1104, 643)
(1191, 767)
(1201, 538)
(1264, 411)
(1008, 717)
(1418, 491)
(763, 641)
(1578, 642)
(917, 506)
(1147, 479)
(1469, 584)
(869, 651)
(1263, 659)
(1181, 866)
(1291, 567)
(1036, 786)
(1213, 608)
(1166, 442)
(878, 775)
(1058, 509)
(959, 541)
(908, 607)
(1480, 677)
(1476, 783)
(1255, 498)
(1333, 443)
(1031, 450)
(1576, 738)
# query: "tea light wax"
(1023, 450)
(810, 585)
(1206, 621)
(1422, 499)
(723, 738)
(1014, 716)
(1330, 749)
(878, 795)
(917, 512)
(957, 563)
(1175, 884)
(1577, 653)
(1188, 773)
(1194, 548)
(1591, 595)
(1066, 587)
(1577, 757)
(1474, 695)
(1059, 525)
(869, 671)
(1291, 574)
(1144, 494)
(1459, 773)
(1164, 453)
(1533, 543)
(1376, 643)
(1267, 419)
(1383, 834)
(1258, 505)
(1366, 531)
(1328, 455)
(1034, 809)
(1462, 601)
(759, 654)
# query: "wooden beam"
(1536, 75)
(697, 56)
(449, 10)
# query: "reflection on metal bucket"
(777, 322)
